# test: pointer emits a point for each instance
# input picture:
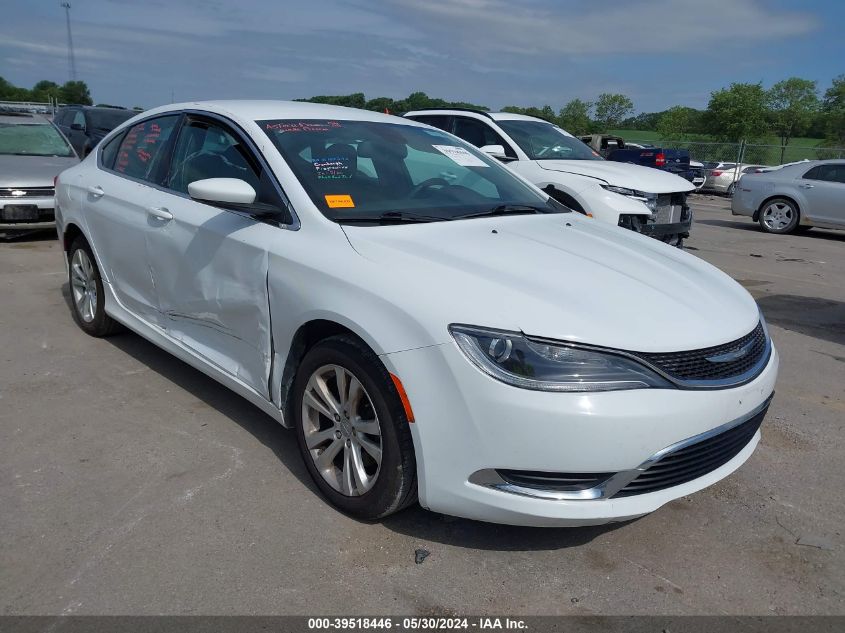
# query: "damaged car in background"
(648, 201)
(431, 326)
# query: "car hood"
(560, 276)
(647, 179)
(32, 171)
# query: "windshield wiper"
(393, 216)
(504, 209)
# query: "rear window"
(107, 120)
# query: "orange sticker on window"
(340, 202)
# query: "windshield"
(32, 140)
(107, 120)
(544, 141)
(354, 170)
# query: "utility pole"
(71, 61)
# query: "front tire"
(779, 216)
(86, 291)
(352, 430)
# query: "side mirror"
(77, 126)
(222, 190)
(496, 151)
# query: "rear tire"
(729, 192)
(352, 429)
(779, 216)
(87, 297)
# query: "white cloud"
(656, 26)
(50, 49)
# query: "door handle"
(161, 213)
(96, 191)
(805, 186)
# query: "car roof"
(478, 114)
(21, 118)
(267, 109)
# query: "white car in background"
(723, 177)
(463, 338)
(800, 195)
(646, 200)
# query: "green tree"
(792, 103)
(355, 100)
(677, 123)
(737, 113)
(574, 117)
(381, 104)
(833, 107)
(75, 92)
(45, 91)
(611, 109)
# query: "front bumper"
(467, 423)
(27, 213)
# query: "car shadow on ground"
(414, 522)
(242, 412)
(422, 524)
(823, 319)
(823, 234)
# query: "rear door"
(823, 187)
(209, 263)
(117, 199)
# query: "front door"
(210, 263)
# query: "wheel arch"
(756, 216)
(306, 337)
(71, 232)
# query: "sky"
(492, 52)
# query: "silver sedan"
(801, 195)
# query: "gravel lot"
(133, 484)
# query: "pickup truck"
(675, 161)
(644, 200)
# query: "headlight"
(521, 362)
(648, 199)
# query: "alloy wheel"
(341, 430)
(777, 216)
(83, 285)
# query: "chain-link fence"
(747, 153)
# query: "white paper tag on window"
(460, 156)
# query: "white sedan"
(462, 340)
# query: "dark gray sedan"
(810, 193)
(32, 153)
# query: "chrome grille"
(713, 363)
(22, 193)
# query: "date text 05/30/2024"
(416, 623)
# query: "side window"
(143, 151)
(828, 173)
(79, 118)
(480, 134)
(61, 117)
(209, 150)
(109, 152)
(436, 120)
(816, 173)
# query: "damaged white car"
(465, 341)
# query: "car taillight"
(660, 160)
(715, 173)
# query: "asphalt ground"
(133, 484)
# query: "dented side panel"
(210, 272)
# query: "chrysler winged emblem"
(736, 354)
